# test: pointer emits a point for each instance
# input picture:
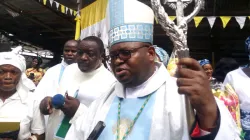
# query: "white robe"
(21, 106)
(49, 84)
(169, 117)
(91, 86)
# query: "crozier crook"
(178, 34)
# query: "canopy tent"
(34, 22)
(46, 26)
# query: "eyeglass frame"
(117, 55)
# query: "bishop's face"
(130, 62)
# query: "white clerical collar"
(148, 87)
(87, 74)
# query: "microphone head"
(58, 101)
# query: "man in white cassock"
(49, 84)
(81, 83)
(145, 104)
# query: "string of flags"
(59, 7)
(211, 20)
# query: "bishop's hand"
(194, 83)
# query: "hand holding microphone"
(48, 103)
(67, 104)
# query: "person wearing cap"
(145, 104)
(16, 100)
(81, 84)
(206, 65)
(239, 80)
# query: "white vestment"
(49, 84)
(240, 82)
(20, 106)
(169, 117)
(86, 86)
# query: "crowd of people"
(133, 99)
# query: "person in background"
(161, 55)
(35, 73)
(81, 83)
(207, 67)
(145, 104)
(240, 79)
(49, 84)
(16, 100)
(224, 66)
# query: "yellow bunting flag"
(197, 21)
(225, 20)
(75, 13)
(62, 8)
(78, 27)
(172, 17)
(44, 2)
(249, 17)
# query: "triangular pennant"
(197, 21)
(62, 8)
(44, 2)
(249, 17)
(57, 5)
(172, 17)
(241, 20)
(225, 20)
(211, 21)
(66, 10)
(71, 11)
(51, 2)
(75, 13)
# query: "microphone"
(58, 101)
(94, 135)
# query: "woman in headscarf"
(162, 55)
(207, 68)
(240, 79)
(16, 101)
(36, 73)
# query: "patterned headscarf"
(162, 54)
(204, 62)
